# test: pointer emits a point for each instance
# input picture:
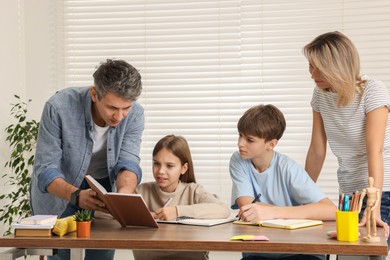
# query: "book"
(17, 225)
(38, 219)
(283, 223)
(198, 222)
(32, 232)
(127, 209)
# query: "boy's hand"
(255, 212)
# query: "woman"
(350, 112)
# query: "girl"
(350, 112)
(175, 193)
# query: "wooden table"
(108, 234)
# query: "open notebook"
(283, 223)
(198, 222)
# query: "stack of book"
(35, 226)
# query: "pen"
(346, 203)
(256, 198)
(167, 202)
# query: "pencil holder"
(347, 224)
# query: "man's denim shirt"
(64, 147)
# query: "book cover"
(39, 220)
(290, 223)
(127, 209)
(198, 222)
(283, 223)
(248, 223)
(22, 232)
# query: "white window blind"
(205, 62)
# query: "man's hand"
(126, 182)
(88, 200)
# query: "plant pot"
(83, 229)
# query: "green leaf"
(22, 137)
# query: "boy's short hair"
(264, 121)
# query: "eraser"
(331, 234)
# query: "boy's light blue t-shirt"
(284, 183)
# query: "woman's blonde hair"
(337, 59)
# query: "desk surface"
(108, 234)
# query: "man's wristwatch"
(74, 197)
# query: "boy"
(281, 188)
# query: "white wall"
(40, 52)
(11, 71)
(26, 67)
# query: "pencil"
(352, 208)
(357, 198)
(341, 201)
(167, 202)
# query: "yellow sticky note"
(242, 237)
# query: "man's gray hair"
(119, 78)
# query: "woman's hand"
(379, 223)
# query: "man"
(92, 130)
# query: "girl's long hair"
(179, 147)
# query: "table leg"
(76, 253)
(356, 257)
(15, 253)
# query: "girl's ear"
(184, 168)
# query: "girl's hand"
(166, 213)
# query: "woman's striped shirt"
(345, 129)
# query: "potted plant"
(83, 219)
(22, 137)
